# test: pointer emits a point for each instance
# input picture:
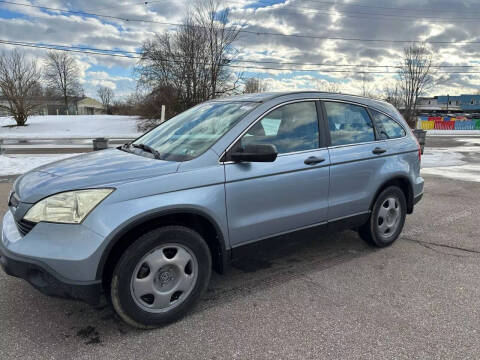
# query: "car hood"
(103, 168)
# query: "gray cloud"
(291, 17)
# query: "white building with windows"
(56, 106)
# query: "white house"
(89, 106)
(56, 106)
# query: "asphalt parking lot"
(322, 296)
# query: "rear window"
(387, 128)
(348, 123)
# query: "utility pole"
(162, 117)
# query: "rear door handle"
(312, 160)
(378, 150)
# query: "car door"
(356, 159)
(266, 199)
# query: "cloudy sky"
(450, 29)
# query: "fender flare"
(409, 197)
(116, 235)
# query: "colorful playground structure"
(447, 123)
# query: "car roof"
(266, 96)
(254, 97)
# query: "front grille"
(24, 226)
(13, 201)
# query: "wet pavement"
(315, 296)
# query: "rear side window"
(387, 128)
(291, 128)
(349, 124)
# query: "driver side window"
(291, 128)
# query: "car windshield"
(192, 132)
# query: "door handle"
(312, 160)
(378, 150)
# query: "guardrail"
(25, 143)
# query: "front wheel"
(161, 276)
(387, 218)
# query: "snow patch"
(449, 162)
(470, 141)
(69, 126)
(441, 157)
(464, 172)
(20, 163)
(452, 132)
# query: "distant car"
(146, 222)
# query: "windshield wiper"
(147, 148)
(125, 146)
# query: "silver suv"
(145, 223)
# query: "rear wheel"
(387, 218)
(160, 277)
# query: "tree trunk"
(65, 99)
(20, 119)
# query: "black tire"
(371, 232)
(120, 291)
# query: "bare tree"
(194, 59)
(19, 84)
(254, 85)
(62, 74)
(213, 21)
(416, 76)
(329, 86)
(106, 96)
(392, 93)
(365, 88)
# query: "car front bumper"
(43, 280)
(57, 259)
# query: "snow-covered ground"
(453, 132)
(433, 157)
(450, 162)
(469, 172)
(68, 126)
(60, 127)
(19, 164)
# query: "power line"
(430, 10)
(334, 3)
(63, 48)
(357, 14)
(356, 4)
(16, 43)
(347, 65)
(127, 4)
(240, 30)
(121, 52)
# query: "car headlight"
(68, 207)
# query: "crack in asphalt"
(427, 244)
(441, 252)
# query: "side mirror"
(255, 153)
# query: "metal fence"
(83, 143)
(447, 123)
